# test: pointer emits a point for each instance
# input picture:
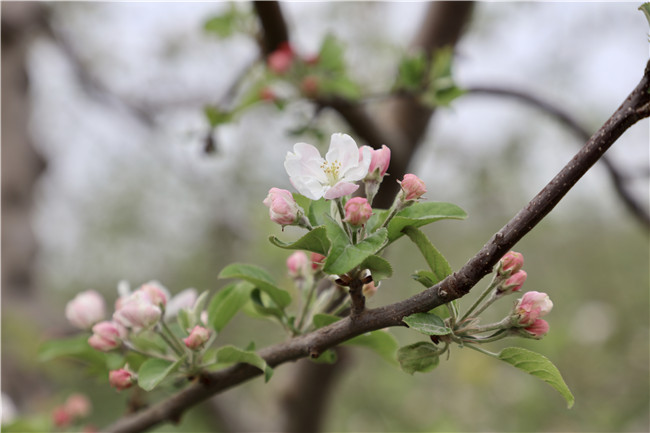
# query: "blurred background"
(107, 176)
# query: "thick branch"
(635, 107)
(274, 27)
(615, 175)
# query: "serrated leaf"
(422, 356)
(539, 366)
(226, 303)
(436, 261)
(427, 324)
(234, 355)
(378, 267)
(421, 214)
(343, 256)
(153, 371)
(315, 241)
(260, 279)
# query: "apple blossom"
(369, 289)
(86, 309)
(78, 405)
(537, 329)
(197, 338)
(309, 86)
(514, 283)
(380, 159)
(60, 417)
(283, 209)
(317, 261)
(297, 264)
(332, 177)
(357, 211)
(107, 336)
(532, 306)
(412, 187)
(280, 60)
(137, 311)
(183, 300)
(121, 379)
(156, 293)
(511, 262)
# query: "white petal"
(344, 150)
(305, 161)
(308, 186)
(360, 170)
(340, 189)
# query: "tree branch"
(634, 108)
(615, 175)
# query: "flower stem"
(486, 352)
(171, 339)
(305, 307)
(495, 281)
(346, 227)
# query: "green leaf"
(223, 25)
(154, 370)
(436, 261)
(427, 324)
(378, 267)
(377, 218)
(322, 320)
(645, 8)
(216, 116)
(340, 86)
(226, 303)
(233, 355)
(183, 319)
(421, 214)
(422, 356)
(76, 346)
(411, 73)
(426, 278)
(260, 278)
(315, 241)
(343, 256)
(539, 366)
(261, 305)
(330, 56)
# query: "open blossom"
(413, 187)
(332, 177)
(197, 338)
(138, 311)
(183, 300)
(357, 211)
(283, 209)
(86, 309)
(107, 336)
(512, 261)
(121, 379)
(156, 293)
(380, 159)
(532, 306)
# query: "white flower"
(332, 177)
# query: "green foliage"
(411, 73)
(538, 366)
(226, 24)
(426, 278)
(421, 214)
(442, 89)
(154, 370)
(427, 324)
(216, 116)
(227, 302)
(260, 279)
(379, 267)
(421, 356)
(436, 261)
(315, 241)
(233, 355)
(331, 71)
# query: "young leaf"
(330, 57)
(426, 278)
(327, 357)
(421, 214)
(232, 354)
(223, 25)
(315, 241)
(154, 370)
(216, 116)
(434, 258)
(260, 278)
(379, 268)
(317, 211)
(342, 258)
(76, 346)
(322, 320)
(422, 356)
(411, 72)
(427, 324)
(226, 303)
(261, 305)
(539, 366)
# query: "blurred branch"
(274, 27)
(615, 174)
(634, 108)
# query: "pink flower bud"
(137, 311)
(369, 289)
(532, 306)
(197, 338)
(156, 293)
(309, 86)
(297, 264)
(538, 329)
(60, 417)
(280, 60)
(283, 209)
(121, 379)
(107, 336)
(86, 309)
(412, 187)
(380, 159)
(266, 94)
(78, 406)
(512, 262)
(357, 211)
(317, 261)
(514, 283)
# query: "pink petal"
(340, 189)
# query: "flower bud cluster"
(76, 407)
